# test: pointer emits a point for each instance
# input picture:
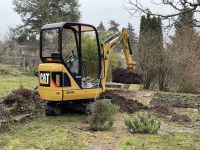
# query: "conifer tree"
(113, 27)
(132, 38)
(101, 27)
(150, 48)
(35, 13)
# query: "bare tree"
(186, 69)
(180, 7)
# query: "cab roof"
(84, 27)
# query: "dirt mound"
(168, 113)
(25, 101)
(180, 118)
(121, 75)
(162, 110)
(4, 114)
(21, 98)
(124, 99)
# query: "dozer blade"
(125, 76)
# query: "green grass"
(135, 87)
(45, 133)
(175, 141)
(9, 83)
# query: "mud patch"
(124, 99)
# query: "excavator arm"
(107, 46)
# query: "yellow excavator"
(69, 73)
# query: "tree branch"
(180, 6)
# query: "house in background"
(29, 51)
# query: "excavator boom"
(127, 75)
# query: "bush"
(102, 114)
(142, 122)
(34, 71)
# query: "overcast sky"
(93, 11)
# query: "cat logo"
(45, 78)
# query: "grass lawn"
(9, 83)
(69, 132)
(173, 141)
(135, 87)
(44, 133)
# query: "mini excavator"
(68, 72)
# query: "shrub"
(102, 114)
(142, 122)
(33, 71)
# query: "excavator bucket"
(125, 76)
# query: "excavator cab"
(67, 71)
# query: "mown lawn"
(9, 83)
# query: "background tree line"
(173, 65)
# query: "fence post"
(24, 61)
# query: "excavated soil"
(168, 113)
(121, 75)
(25, 101)
(124, 99)
(127, 102)
(162, 110)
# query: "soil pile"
(164, 110)
(124, 99)
(125, 76)
(4, 115)
(163, 104)
(25, 101)
(168, 113)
